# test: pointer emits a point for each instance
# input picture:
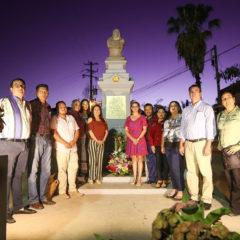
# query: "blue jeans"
(39, 165)
(151, 164)
(176, 165)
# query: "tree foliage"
(231, 73)
(192, 36)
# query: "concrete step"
(120, 188)
(120, 179)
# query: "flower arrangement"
(119, 163)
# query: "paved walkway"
(125, 217)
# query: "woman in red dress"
(135, 129)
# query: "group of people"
(171, 141)
(29, 134)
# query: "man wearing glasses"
(14, 143)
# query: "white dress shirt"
(198, 121)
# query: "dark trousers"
(176, 165)
(233, 178)
(162, 165)
(17, 160)
(151, 164)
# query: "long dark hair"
(178, 106)
(88, 111)
(100, 116)
(161, 108)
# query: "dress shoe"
(25, 210)
(207, 206)
(48, 202)
(10, 219)
(37, 205)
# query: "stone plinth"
(116, 87)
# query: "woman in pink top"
(135, 129)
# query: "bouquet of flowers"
(119, 163)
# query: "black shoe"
(207, 206)
(10, 219)
(24, 211)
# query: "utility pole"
(215, 64)
(89, 74)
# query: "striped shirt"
(17, 118)
(198, 121)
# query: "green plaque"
(116, 107)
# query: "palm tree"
(191, 40)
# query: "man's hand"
(207, 150)
(153, 149)
(72, 143)
(233, 149)
(181, 150)
(67, 145)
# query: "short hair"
(42, 85)
(227, 91)
(148, 104)
(57, 105)
(139, 110)
(194, 85)
(17, 79)
(178, 105)
(74, 101)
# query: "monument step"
(120, 179)
(116, 188)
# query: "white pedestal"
(116, 87)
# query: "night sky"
(48, 42)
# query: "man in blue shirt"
(198, 130)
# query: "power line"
(167, 77)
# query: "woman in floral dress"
(135, 129)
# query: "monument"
(115, 85)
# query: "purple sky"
(48, 42)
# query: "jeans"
(176, 165)
(39, 165)
(151, 164)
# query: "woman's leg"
(134, 164)
(92, 148)
(140, 169)
(99, 154)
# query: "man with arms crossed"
(198, 130)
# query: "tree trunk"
(198, 82)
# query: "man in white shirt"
(198, 129)
(66, 133)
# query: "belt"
(42, 135)
(14, 140)
(196, 140)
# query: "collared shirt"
(155, 131)
(66, 128)
(198, 121)
(229, 128)
(41, 117)
(17, 118)
(172, 129)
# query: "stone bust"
(115, 45)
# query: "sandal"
(159, 184)
(178, 197)
(139, 183)
(164, 185)
(133, 182)
(172, 194)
